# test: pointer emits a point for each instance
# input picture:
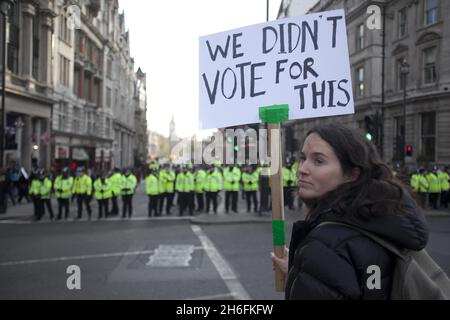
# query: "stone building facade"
(417, 36)
(71, 86)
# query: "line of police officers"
(432, 184)
(197, 189)
(80, 187)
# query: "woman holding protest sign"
(342, 179)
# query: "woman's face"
(319, 170)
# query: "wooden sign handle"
(276, 190)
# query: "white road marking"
(83, 257)
(215, 297)
(222, 266)
(14, 222)
(171, 256)
(115, 219)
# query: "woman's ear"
(354, 174)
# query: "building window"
(36, 29)
(97, 93)
(428, 136)
(402, 23)
(401, 79)
(429, 65)
(87, 88)
(431, 11)
(360, 82)
(80, 42)
(108, 67)
(95, 124)
(360, 37)
(89, 122)
(65, 33)
(14, 41)
(76, 121)
(108, 97)
(116, 98)
(64, 71)
(76, 82)
(108, 127)
(63, 116)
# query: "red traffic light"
(409, 150)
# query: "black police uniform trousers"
(287, 194)
(264, 194)
(38, 207)
(103, 208)
(211, 197)
(186, 202)
(169, 202)
(127, 200)
(445, 198)
(152, 205)
(115, 207)
(200, 201)
(251, 196)
(47, 203)
(233, 196)
(83, 198)
(63, 204)
(162, 196)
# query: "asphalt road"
(150, 259)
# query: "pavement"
(23, 212)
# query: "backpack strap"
(387, 245)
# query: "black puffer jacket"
(331, 261)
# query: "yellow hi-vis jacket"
(433, 182)
(414, 182)
(151, 185)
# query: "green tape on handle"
(278, 232)
(274, 114)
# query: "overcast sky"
(164, 43)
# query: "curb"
(237, 221)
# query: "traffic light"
(409, 150)
(369, 127)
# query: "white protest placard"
(300, 61)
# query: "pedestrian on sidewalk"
(264, 186)
(434, 188)
(250, 185)
(35, 194)
(129, 184)
(213, 185)
(116, 185)
(63, 186)
(169, 187)
(46, 194)
(83, 191)
(443, 177)
(152, 191)
(103, 192)
(342, 179)
(22, 186)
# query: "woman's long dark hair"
(375, 192)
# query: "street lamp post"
(404, 70)
(4, 10)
